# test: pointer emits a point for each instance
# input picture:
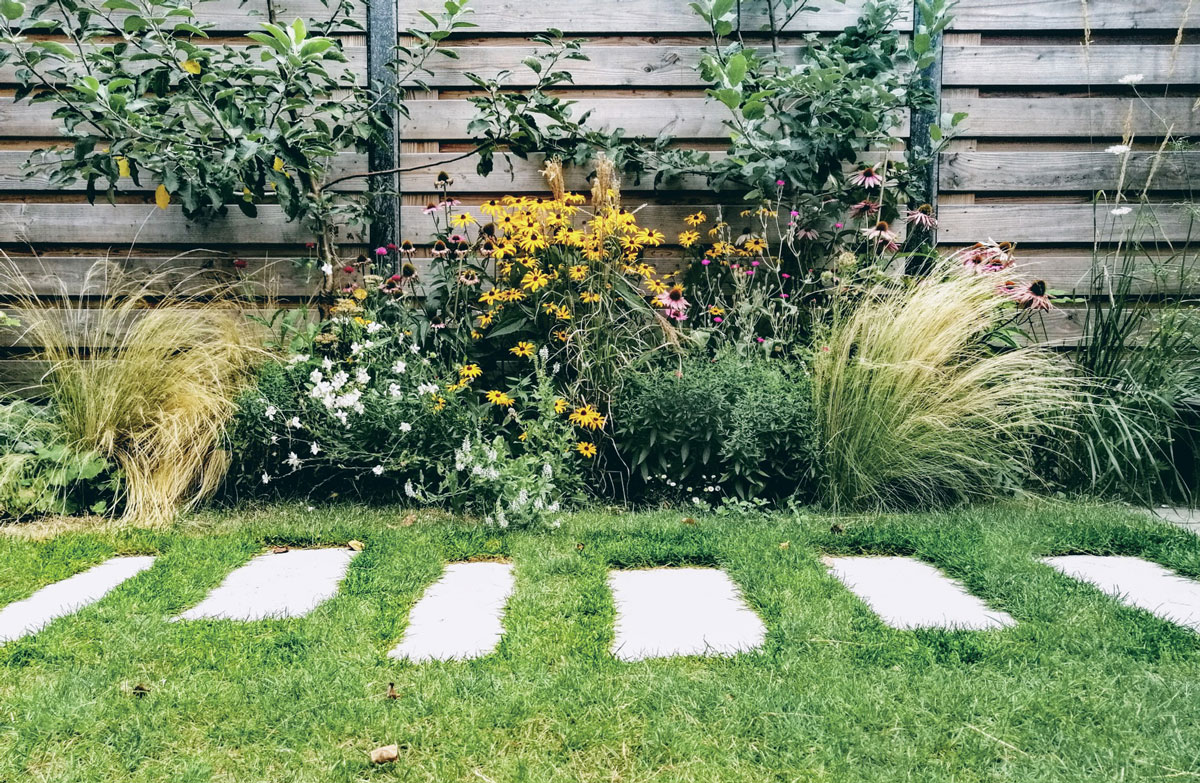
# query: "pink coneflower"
(461, 248)
(430, 208)
(864, 209)
(487, 247)
(866, 177)
(456, 238)
(439, 248)
(468, 277)
(407, 248)
(673, 303)
(1034, 296)
(807, 233)
(921, 216)
(880, 231)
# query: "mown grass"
(1082, 689)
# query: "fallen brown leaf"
(355, 544)
(408, 520)
(279, 550)
(385, 754)
(689, 520)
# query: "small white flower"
(544, 354)
(315, 448)
(327, 363)
(405, 426)
(270, 412)
(293, 461)
(299, 358)
(266, 478)
(1122, 211)
(1132, 78)
(274, 439)
(363, 377)
(415, 348)
(409, 490)
(427, 388)
(327, 270)
(316, 376)
(294, 422)
(399, 367)
(1119, 149)
(377, 470)
(395, 390)
(374, 327)
(355, 349)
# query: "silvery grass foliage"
(915, 407)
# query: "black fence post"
(923, 162)
(382, 37)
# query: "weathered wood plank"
(95, 328)
(637, 17)
(1067, 171)
(1063, 224)
(1076, 117)
(984, 66)
(986, 15)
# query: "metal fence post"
(382, 37)
(924, 163)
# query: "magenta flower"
(381, 251)
(866, 177)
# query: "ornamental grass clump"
(145, 377)
(916, 408)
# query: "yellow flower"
(579, 271)
(122, 166)
(561, 335)
(589, 297)
(524, 436)
(560, 405)
(523, 349)
(462, 220)
(469, 371)
(278, 164)
(654, 286)
(439, 404)
(461, 383)
(651, 237)
(588, 418)
(689, 238)
(716, 310)
(535, 279)
(489, 297)
(191, 66)
(161, 197)
(499, 398)
(360, 294)
(695, 219)
(755, 245)
(586, 449)
(486, 319)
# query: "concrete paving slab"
(460, 615)
(909, 594)
(68, 596)
(1138, 583)
(681, 611)
(290, 584)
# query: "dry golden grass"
(916, 409)
(146, 374)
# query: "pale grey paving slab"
(289, 584)
(68, 596)
(909, 594)
(1138, 583)
(1186, 518)
(681, 611)
(459, 616)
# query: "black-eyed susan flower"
(535, 279)
(560, 405)
(589, 297)
(499, 399)
(523, 349)
(586, 449)
(695, 218)
(588, 418)
(469, 371)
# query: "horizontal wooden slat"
(1062, 223)
(96, 328)
(1075, 274)
(983, 66)
(1067, 171)
(638, 17)
(1074, 15)
(1076, 117)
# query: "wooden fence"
(1039, 79)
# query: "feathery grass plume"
(143, 371)
(553, 174)
(606, 187)
(915, 408)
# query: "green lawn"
(1081, 689)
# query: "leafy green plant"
(729, 425)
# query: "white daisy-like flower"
(294, 422)
(427, 388)
(1122, 211)
(316, 376)
(270, 412)
(355, 349)
(1132, 78)
(293, 461)
(395, 391)
(1119, 149)
(315, 448)
(266, 478)
(405, 426)
(327, 363)
(399, 367)
(377, 470)
(374, 327)
(299, 358)
(362, 376)
(415, 348)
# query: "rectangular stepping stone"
(290, 584)
(1137, 583)
(459, 616)
(909, 594)
(681, 611)
(68, 596)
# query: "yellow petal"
(122, 167)
(162, 197)
(278, 164)
(191, 66)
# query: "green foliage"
(730, 425)
(41, 474)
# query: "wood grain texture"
(975, 171)
(1063, 223)
(1056, 117)
(1004, 15)
(1053, 65)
